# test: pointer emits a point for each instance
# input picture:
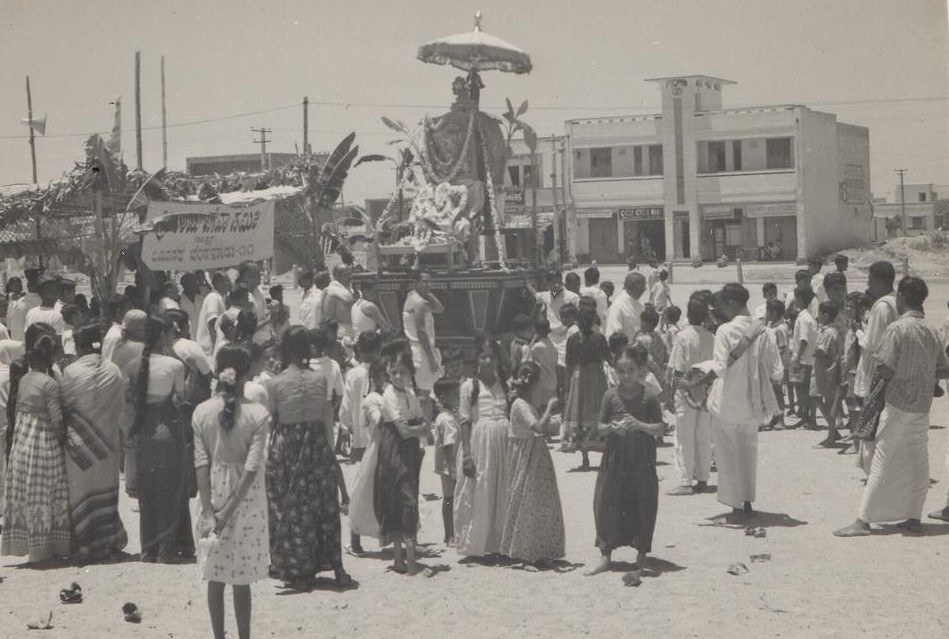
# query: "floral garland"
(489, 183)
(428, 157)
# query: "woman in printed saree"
(92, 409)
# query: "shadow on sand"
(759, 519)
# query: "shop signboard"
(641, 213)
(718, 212)
(588, 214)
(779, 209)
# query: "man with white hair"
(623, 316)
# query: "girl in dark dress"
(395, 497)
(587, 351)
(627, 488)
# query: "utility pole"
(306, 127)
(558, 216)
(902, 199)
(29, 115)
(164, 122)
(138, 109)
(263, 145)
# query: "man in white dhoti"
(883, 313)
(911, 359)
(418, 321)
(693, 432)
(746, 363)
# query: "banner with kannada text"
(187, 236)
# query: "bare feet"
(856, 529)
(941, 515)
(679, 491)
(602, 566)
(701, 486)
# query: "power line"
(380, 105)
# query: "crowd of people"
(213, 391)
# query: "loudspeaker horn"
(37, 125)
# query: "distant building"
(700, 179)
(923, 213)
(244, 162)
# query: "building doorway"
(682, 243)
(604, 247)
(645, 240)
(782, 231)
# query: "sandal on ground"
(132, 613)
(71, 595)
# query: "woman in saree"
(157, 384)
(92, 392)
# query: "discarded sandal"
(132, 613)
(71, 595)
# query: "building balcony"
(747, 186)
(617, 191)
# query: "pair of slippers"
(73, 595)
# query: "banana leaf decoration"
(326, 182)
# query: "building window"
(655, 159)
(716, 157)
(917, 222)
(638, 160)
(736, 155)
(514, 173)
(778, 153)
(528, 172)
(922, 197)
(601, 162)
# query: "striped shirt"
(911, 348)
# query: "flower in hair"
(96, 346)
(228, 376)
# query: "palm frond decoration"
(326, 183)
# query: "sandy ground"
(814, 585)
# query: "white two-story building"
(698, 179)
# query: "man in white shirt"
(815, 265)
(169, 298)
(248, 274)
(213, 307)
(338, 301)
(693, 434)
(46, 311)
(355, 389)
(16, 312)
(115, 311)
(307, 317)
(745, 364)
(624, 312)
(321, 282)
(554, 299)
(191, 300)
(591, 281)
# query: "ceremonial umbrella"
(476, 51)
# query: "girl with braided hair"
(36, 502)
(230, 438)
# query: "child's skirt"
(582, 411)
(240, 554)
(362, 514)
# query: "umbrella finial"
(478, 20)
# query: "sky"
(883, 64)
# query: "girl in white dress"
(362, 514)
(481, 494)
(230, 437)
